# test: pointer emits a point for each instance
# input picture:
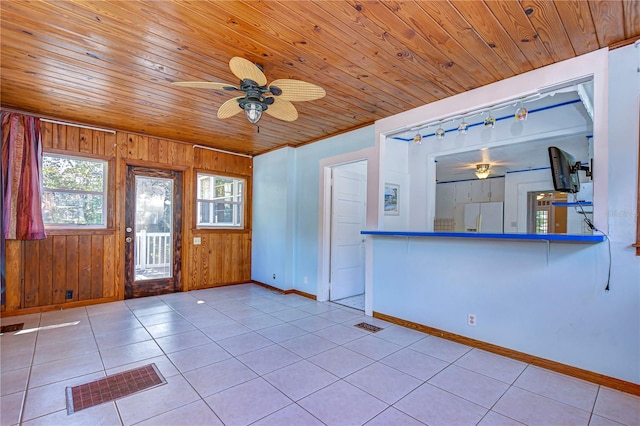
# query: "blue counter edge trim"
(478, 235)
(572, 204)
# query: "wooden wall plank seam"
(91, 263)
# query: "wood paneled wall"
(91, 262)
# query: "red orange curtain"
(3, 256)
(21, 172)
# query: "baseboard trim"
(289, 291)
(58, 306)
(268, 287)
(301, 293)
(590, 376)
(216, 285)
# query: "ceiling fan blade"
(296, 90)
(229, 108)
(243, 68)
(282, 110)
(205, 85)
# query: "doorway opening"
(348, 215)
(543, 216)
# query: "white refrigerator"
(484, 217)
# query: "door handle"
(128, 239)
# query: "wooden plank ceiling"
(111, 63)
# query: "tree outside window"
(74, 191)
(220, 202)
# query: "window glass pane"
(220, 202)
(72, 208)
(153, 228)
(74, 191)
(542, 222)
(204, 187)
(73, 173)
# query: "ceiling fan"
(274, 99)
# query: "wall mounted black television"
(564, 170)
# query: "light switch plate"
(197, 241)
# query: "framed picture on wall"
(391, 193)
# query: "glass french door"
(152, 233)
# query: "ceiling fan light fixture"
(482, 171)
(253, 110)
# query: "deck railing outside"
(153, 250)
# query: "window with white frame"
(220, 201)
(74, 191)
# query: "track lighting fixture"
(417, 139)
(521, 113)
(490, 120)
(463, 127)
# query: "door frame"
(158, 286)
(370, 155)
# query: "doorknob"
(128, 229)
(128, 239)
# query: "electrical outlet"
(197, 241)
(68, 294)
(274, 276)
(471, 319)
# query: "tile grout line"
(26, 390)
(338, 378)
(279, 345)
(590, 412)
(245, 300)
(202, 398)
(104, 367)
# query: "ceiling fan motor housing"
(254, 94)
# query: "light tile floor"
(355, 302)
(246, 355)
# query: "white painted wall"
(396, 163)
(546, 301)
(273, 218)
(286, 210)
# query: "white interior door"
(348, 218)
